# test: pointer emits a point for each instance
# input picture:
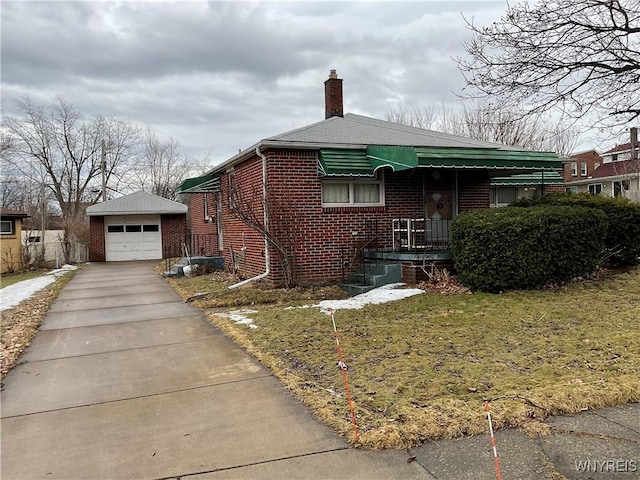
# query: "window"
(6, 227)
(357, 192)
(502, 196)
(134, 228)
(150, 228)
(34, 239)
(572, 189)
(528, 192)
(614, 157)
(115, 229)
(574, 169)
(595, 188)
(583, 169)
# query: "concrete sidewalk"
(125, 381)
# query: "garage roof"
(137, 203)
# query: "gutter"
(266, 227)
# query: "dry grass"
(19, 325)
(420, 368)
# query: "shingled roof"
(137, 203)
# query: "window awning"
(536, 178)
(365, 162)
(487, 158)
(205, 183)
(343, 162)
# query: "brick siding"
(322, 238)
(97, 248)
(174, 232)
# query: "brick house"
(312, 203)
(581, 165)
(616, 174)
(138, 226)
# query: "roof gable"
(136, 204)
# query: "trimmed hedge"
(622, 239)
(517, 248)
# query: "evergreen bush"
(517, 248)
(622, 240)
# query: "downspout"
(266, 227)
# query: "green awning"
(398, 158)
(487, 158)
(205, 183)
(343, 162)
(536, 178)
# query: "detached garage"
(139, 226)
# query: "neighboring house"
(312, 202)
(617, 176)
(46, 245)
(11, 239)
(581, 165)
(139, 226)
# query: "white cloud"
(219, 76)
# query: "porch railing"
(413, 234)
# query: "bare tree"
(163, 165)
(481, 121)
(578, 58)
(56, 148)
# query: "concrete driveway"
(125, 380)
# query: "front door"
(439, 206)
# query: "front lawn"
(420, 368)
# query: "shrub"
(622, 240)
(516, 248)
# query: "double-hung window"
(357, 192)
(583, 169)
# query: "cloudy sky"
(219, 76)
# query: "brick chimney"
(333, 96)
(633, 132)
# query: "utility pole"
(103, 167)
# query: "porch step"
(375, 275)
(353, 289)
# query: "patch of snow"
(240, 317)
(383, 294)
(18, 292)
(300, 306)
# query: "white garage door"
(133, 237)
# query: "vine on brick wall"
(282, 231)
